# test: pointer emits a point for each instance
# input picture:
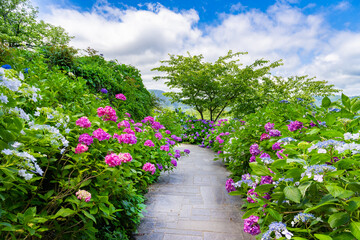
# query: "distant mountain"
(166, 100)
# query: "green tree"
(214, 86)
(19, 27)
(275, 88)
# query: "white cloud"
(143, 37)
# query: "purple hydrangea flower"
(229, 185)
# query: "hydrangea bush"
(302, 179)
(73, 169)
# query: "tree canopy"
(226, 83)
(19, 27)
(208, 86)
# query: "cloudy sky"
(313, 37)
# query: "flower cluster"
(126, 138)
(83, 122)
(264, 136)
(302, 217)
(101, 135)
(173, 162)
(269, 126)
(81, 148)
(86, 139)
(251, 225)
(107, 113)
(279, 229)
(149, 167)
(120, 96)
(274, 133)
(149, 143)
(83, 195)
(164, 148)
(318, 171)
(158, 136)
(326, 144)
(295, 125)
(229, 185)
(123, 124)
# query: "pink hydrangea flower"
(128, 115)
(167, 132)
(107, 113)
(120, 96)
(158, 136)
(81, 148)
(101, 135)
(125, 157)
(148, 119)
(83, 122)
(129, 131)
(149, 167)
(264, 136)
(164, 148)
(124, 124)
(138, 124)
(149, 143)
(86, 139)
(137, 129)
(83, 195)
(254, 149)
(252, 159)
(126, 138)
(112, 160)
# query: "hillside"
(165, 101)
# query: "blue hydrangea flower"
(279, 229)
(302, 217)
(6, 66)
(284, 101)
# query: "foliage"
(39, 166)
(302, 169)
(275, 89)
(115, 78)
(18, 26)
(211, 86)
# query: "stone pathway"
(192, 203)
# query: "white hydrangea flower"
(3, 98)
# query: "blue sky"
(316, 38)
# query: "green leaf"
(303, 187)
(89, 215)
(64, 212)
(235, 193)
(259, 170)
(355, 229)
(338, 219)
(335, 191)
(275, 214)
(355, 107)
(264, 188)
(292, 193)
(345, 101)
(249, 213)
(343, 236)
(322, 237)
(326, 102)
(330, 119)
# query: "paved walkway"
(192, 203)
